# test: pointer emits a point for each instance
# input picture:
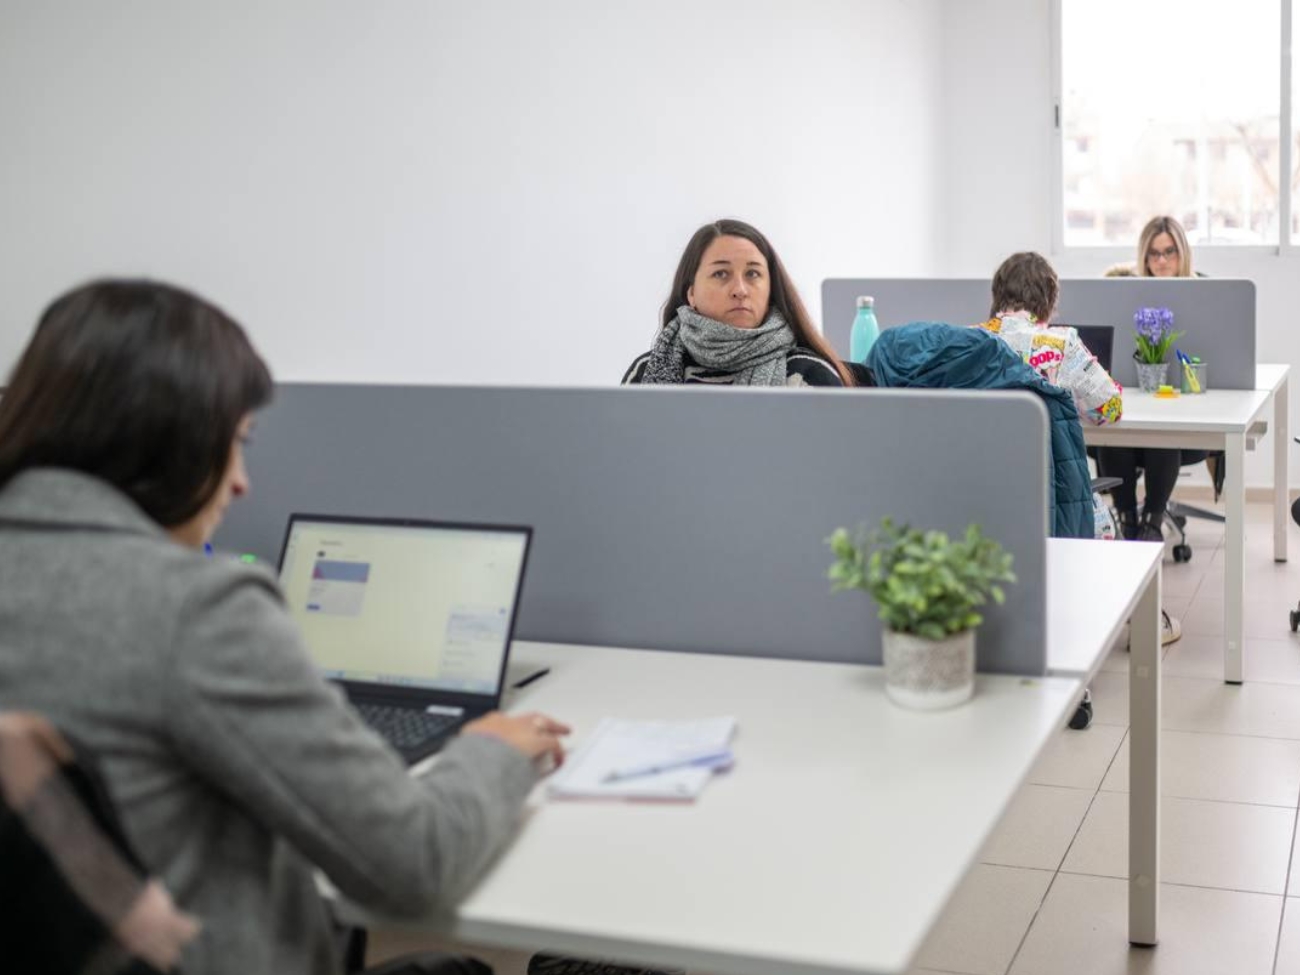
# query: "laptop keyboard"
(406, 728)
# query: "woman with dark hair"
(733, 317)
(236, 770)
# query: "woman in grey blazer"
(235, 768)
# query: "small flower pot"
(927, 675)
(1151, 375)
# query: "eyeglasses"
(1168, 254)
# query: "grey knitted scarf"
(755, 356)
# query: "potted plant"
(929, 588)
(1154, 335)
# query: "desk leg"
(1144, 768)
(1281, 472)
(1234, 574)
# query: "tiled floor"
(1230, 763)
(1049, 898)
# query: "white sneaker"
(1171, 629)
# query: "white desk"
(1220, 419)
(1092, 588)
(847, 823)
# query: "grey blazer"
(235, 767)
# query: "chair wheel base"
(1182, 553)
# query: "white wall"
(998, 174)
(441, 191)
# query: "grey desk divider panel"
(673, 518)
(1217, 315)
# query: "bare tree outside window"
(1172, 106)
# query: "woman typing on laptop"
(235, 768)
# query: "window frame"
(1286, 135)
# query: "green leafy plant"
(925, 582)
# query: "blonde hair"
(1120, 270)
(1154, 228)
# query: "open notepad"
(621, 760)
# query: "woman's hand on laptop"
(536, 735)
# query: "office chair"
(1295, 516)
(71, 876)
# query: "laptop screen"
(407, 604)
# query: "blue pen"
(207, 549)
(713, 759)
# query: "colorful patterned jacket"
(1063, 360)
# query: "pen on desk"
(532, 677)
(713, 758)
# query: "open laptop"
(412, 618)
(1100, 340)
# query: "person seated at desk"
(1025, 291)
(1163, 252)
(235, 768)
(733, 317)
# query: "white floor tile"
(1082, 929)
(1262, 710)
(1288, 949)
(1038, 828)
(1203, 844)
(1293, 878)
(1109, 699)
(1271, 661)
(982, 928)
(1221, 768)
(1078, 759)
(1262, 618)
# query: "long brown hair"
(784, 298)
(138, 383)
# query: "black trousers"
(1161, 469)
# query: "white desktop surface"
(831, 847)
(847, 823)
(1216, 411)
(1229, 420)
(1092, 589)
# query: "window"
(1171, 106)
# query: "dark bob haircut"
(140, 384)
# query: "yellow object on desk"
(1166, 392)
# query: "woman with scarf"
(734, 318)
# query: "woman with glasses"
(1163, 252)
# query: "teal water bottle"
(865, 330)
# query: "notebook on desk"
(412, 618)
(664, 760)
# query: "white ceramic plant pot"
(929, 674)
